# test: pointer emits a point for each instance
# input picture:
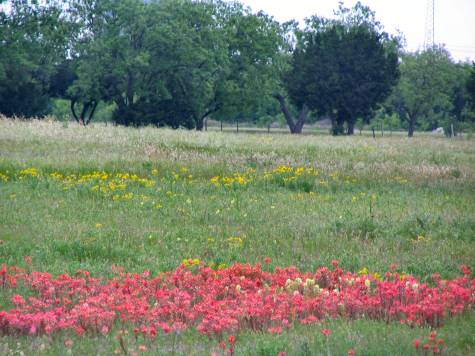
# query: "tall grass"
(374, 202)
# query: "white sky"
(454, 19)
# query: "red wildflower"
(326, 332)
(416, 343)
(18, 300)
(267, 260)
(220, 302)
(79, 330)
(466, 270)
(351, 352)
(166, 328)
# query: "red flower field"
(224, 301)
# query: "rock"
(438, 131)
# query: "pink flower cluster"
(431, 344)
(224, 301)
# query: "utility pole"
(429, 39)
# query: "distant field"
(146, 199)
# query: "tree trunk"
(91, 113)
(301, 121)
(351, 128)
(295, 127)
(199, 124)
(202, 121)
(337, 125)
(73, 110)
(412, 124)
(287, 114)
(87, 112)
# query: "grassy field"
(87, 198)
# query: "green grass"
(379, 196)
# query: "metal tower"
(429, 40)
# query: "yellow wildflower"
(33, 172)
(363, 271)
(215, 180)
(299, 171)
(235, 240)
(221, 266)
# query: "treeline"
(177, 62)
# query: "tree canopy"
(430, 91)
(33, 39)
(174, 62)
(343, 68)
(177, 62)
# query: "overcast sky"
(454, 19)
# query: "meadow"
(109, 200)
